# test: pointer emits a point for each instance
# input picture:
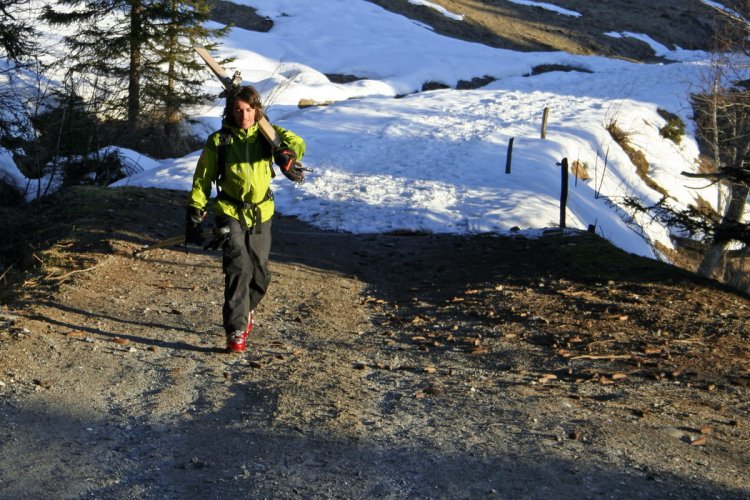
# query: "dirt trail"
(378, 369)
(381, 366)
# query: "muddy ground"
(387, 366)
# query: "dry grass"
(578, 168)
(636, 156)
(705, 165)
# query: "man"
(239, 160)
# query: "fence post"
(563, 191)
(509, 157)
(545, 117)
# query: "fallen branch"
(603, 356)
(6, 272)
(60, 278)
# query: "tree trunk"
(171, 112)
(715, 137)
(134, 72)
(734, 212)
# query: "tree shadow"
(238, 452)
(136, 339)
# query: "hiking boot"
(250, 323)
(236, 341)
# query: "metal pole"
(509, 157)
(563, 191)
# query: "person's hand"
(194, 225)
(286, 159)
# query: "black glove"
(194, 225)
(221, 235)
(286, 159)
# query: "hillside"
(503, 24)
(381, 366)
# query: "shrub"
(94, 169)
(10, 196)
(674, 129)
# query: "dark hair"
(247, 94)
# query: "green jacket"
(248, 172)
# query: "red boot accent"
(236, 342)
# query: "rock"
(195, 463)
(546, 378)
(308, 103)
(420, 320)
(698, 441)
(675, 433)
(42, 383)
(433, 390)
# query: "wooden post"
(563, 191)
(545, 117)
(509, 157)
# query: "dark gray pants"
(246, 275)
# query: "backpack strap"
(243, 205)
(225, 139)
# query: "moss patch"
(674, 129)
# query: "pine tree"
(138, 53)
(16, 35)
(174, 77)
(17, 48)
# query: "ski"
(215, 239)
(233, 83)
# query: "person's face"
(243, 113)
